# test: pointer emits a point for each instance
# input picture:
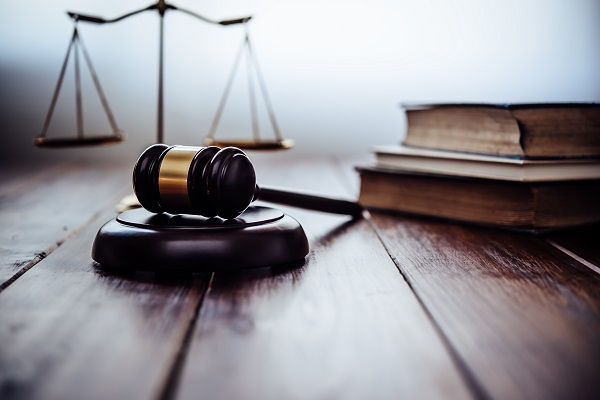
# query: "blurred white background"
(336, 71)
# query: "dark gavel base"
(141, 240)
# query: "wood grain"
(38, 211)
(70, 330)
(344, 325)
(523, 316)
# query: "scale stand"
(161, 7)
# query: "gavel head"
(206, 181)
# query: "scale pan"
(41, 141)
(249, 144)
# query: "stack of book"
(533, 167)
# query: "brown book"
(530, 206)
(559, 130)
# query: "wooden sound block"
(141, 240)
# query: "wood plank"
(343, 325)
(523, 316)
(41, 210)
(20, 177)
(582, 244)
(70, 330)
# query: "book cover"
(527, 131)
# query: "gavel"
(213, 182)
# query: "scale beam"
(242, 20)
(99, 20)
(161, 7)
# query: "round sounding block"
(140, 240)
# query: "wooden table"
(386, 307)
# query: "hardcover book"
(530, 206)
(557, 130)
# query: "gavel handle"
(307, 201)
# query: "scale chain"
(263, 87)
(103, 100)
(252, 69)
(58, 86)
